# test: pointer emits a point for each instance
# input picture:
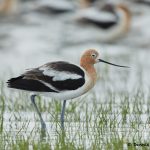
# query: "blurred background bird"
(8, 7)
(113, 20)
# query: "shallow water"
(32, 39)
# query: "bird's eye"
(93, 55)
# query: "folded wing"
(97, 17)
(51, 77)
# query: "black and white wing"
(102, 19)
(51, 77)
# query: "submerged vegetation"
(115, 115)
(119, 122)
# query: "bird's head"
(91, 57)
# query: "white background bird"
(113, 21)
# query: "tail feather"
(14, 82)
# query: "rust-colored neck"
(90, 71)
(127, 16)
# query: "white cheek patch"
(60, 75)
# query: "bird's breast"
(90, 80)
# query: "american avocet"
(8, 7)
(113, 21)
(60, 80)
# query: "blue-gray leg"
(62, 114)
(43, 125)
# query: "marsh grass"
(111, 123)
